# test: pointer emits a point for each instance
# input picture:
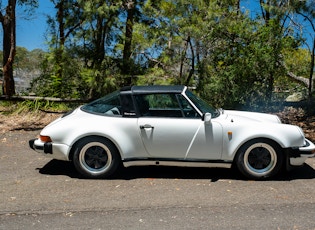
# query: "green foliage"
(233, 58)
(244, 62)
(99, 83)
(60, 79)
(298, 61)
(155, 76)
(32, 106)
(11, 107)
(28, 60)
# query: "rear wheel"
(95, 157)
(259, 159)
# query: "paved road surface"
(40, 193)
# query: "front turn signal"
(45, 138)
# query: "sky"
(31, 33)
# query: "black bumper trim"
(48, 147)
(295, 152)
(31, 143)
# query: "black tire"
(96, 157)
(259, 159)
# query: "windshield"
(203, 106)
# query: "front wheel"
(259, 159)
(95, 157)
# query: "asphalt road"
(39, 193)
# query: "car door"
(171, 130)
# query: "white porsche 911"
(169, 125)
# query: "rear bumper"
(41, 147)
(53, 150)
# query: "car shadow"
(56, 167)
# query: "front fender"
(287, 136)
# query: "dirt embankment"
(26, 121)
(297, 116)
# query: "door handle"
(146, 126)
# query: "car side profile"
(169, 125)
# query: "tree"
(307, 11)
(287, 16)
(57, 62)
(130, 7)
(170, 32)
(101, 32)
(9, 47)
(79, 33)
(8, 22)
(231, 57)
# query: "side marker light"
(45, 138)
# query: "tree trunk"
(182, 61)
(310, 87)
(310, 19)
(130, 6)
(192, 67)
(9, 48)
(100, 34)
(61, 30)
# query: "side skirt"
(178, 162)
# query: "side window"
(159, 105)
(163, 101)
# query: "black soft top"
(154, 89)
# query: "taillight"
(45, 138)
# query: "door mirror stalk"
(207, 118)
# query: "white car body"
(204, 139)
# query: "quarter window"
(109, 105)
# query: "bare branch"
(1, 17)
(302, 80)
(308, 19)
(152, 59)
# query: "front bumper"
(297, 156)
(53, 150)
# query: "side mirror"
(207, 118)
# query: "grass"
(14, 107)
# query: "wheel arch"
(242, 164)
(72, 150)
(258, 139)
(284, 136)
